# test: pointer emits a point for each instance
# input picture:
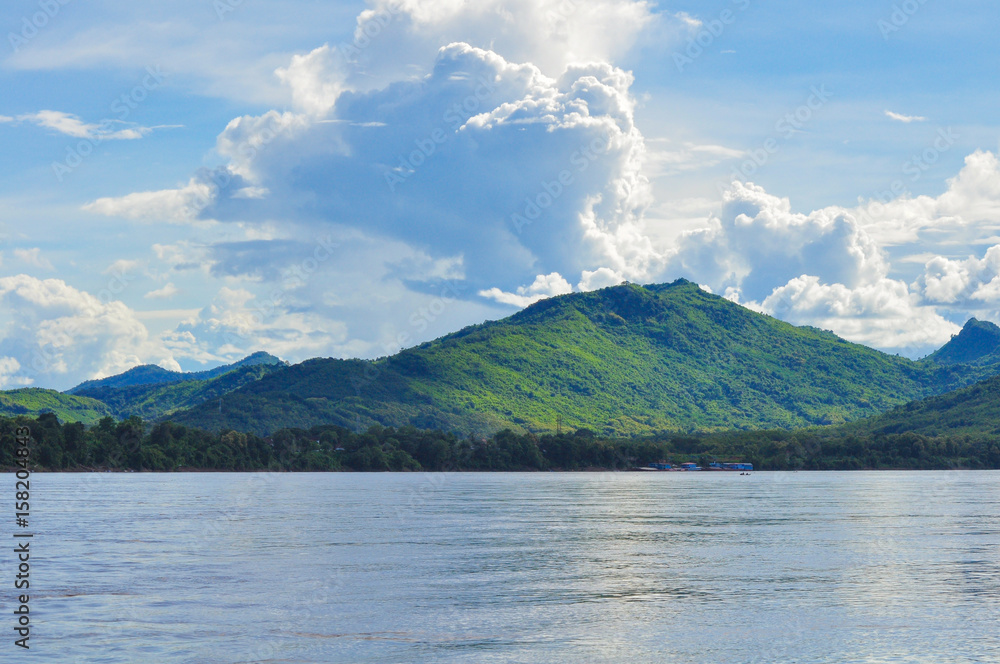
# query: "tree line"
(132, 444)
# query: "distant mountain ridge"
(147, 391)
(156, 401)
(625, 360)
(621, 361)
(151, 374)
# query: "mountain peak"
(151, 374)
(977, 343)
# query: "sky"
(187, 183)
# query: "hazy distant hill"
(622, 360)
(148, 391)
(159, 400)
(150, 374)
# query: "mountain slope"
(978, 343)
(160, 400)
(971, 411)
(34, 401)
(624, 360)
(150, 374)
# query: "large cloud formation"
(829, 268)
(492, 163)
(60, 332)
(456, 160)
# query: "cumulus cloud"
(822, 269)
(972, 201)
(883, 314)
(600, 278)
(758, 242)
(60, 336)
(9, 378)
(315, 79)
(972, 283)
(545, 285)
(550, 34)
(179, 206)
(549, 170)
(492, 146)
(237, 322)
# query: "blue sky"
(189, 183)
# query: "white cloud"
(883, 314)
(61, 336)
(550, 34)
(758, 242)
(822, 269)
(600, 278)
(545, 285)
(476, 119)
(237, 323)
(972, 199)
(693, 24)
(685, 156)
(179, 206)
(973, 283)
(500, 161)
(315, 79)
(9, 378)
(165, 293)
(72, 125)
(899, 117)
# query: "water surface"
(543, 567)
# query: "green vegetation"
(978, 343)
(35, 401)
(159, 401)
(622, 361)
(128, 445)
(122, 396)
(150, 374)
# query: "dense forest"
(132, 445)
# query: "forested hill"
(146, 391)
(626, 360)
(978, 343)
(150, 374)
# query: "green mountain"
(626, 360)
(150, 374)
(157, 401)
(971, 411)
(147, 391)
(978, 343)
(34, 401)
